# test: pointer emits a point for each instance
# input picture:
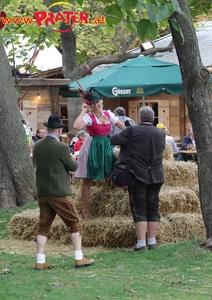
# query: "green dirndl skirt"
(101, 158)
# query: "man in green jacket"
(53, 163)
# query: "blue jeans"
(144, 201)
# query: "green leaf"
(146, 29)
(109, 30)
(127, 4)
(23, 53)
(131, 27)
(113, 10)
(157, 13)
(5, 2)
(80, 2)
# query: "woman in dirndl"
(97, 156)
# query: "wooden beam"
(54, 96)
(182, 120)
(44, 82)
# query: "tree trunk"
(196, 83)
(17, 185)
(69, 55)
(74, 109)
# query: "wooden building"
(40, 98)
(171, 110)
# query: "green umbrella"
(135, 77)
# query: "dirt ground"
(13, 246)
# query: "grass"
(173, 271)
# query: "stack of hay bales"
(111, 224)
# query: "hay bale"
(119, 232)
(108, 203)
(168, 153)
(25, 225)
(110, 232)
(186, 226)
(195, 188)
(180, 173)
(164, 233)
(112, 225)
(178, 199)
(106, 199)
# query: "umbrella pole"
(143, 101)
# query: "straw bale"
(180, 173)
(109, 203)
(195, 188)
(178, 199)
(109, 232)
(106, 199)
(119, 232)
(25, 225)
(164, 233)
(115, 231)
(186, 226)
(168, 153)
(112, 224)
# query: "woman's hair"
(81, 133)
(71, 134)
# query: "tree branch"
(93, 62)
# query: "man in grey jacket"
(121, 114)
(53, 163)
(146, 154)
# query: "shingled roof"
(204, 36)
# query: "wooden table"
(190, 152)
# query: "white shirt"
(170, 141)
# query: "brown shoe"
(84, 262)
(152, 247)
(134, 249)
(43, 266)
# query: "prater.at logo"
(116, 91)
(48, 18)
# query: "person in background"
(146, 164)
(28, 132)
(121, 114)
(97, 156)
(53, 162)
(81, 135)
(169, 139)
(40, 133)
(71, 140)
(187, 141)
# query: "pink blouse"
(95, 128)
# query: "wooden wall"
(171, 110)
(37, 111)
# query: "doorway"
(64, 116)
(154, 105)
